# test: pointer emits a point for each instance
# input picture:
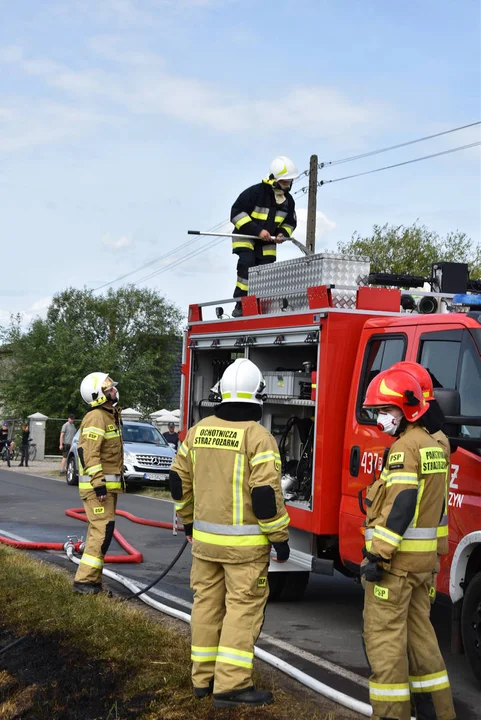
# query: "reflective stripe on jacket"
(100, 451)
(231, 490)
(256, 209)
(406, 506)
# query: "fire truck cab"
(319, 332)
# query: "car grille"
(153, 462)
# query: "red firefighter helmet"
(420, 373)
(399, 388)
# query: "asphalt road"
(320, 635)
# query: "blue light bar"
(467, 299)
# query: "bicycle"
(32, 451)
(6, 454)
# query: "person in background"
(171, 436)
(4, 441)
(24, 446)
(67, 434)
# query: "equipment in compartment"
(297, 471)
(286, 383)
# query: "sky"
(125, 123)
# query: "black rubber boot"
(202, 692)
(237, 311)
(246, 696)
(87, 588)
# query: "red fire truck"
(320, 330)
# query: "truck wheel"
(471, 625)
(71, 475)
(287, 586)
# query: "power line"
(393, 147)
(157, 259)
(389, 167)
(181, 260)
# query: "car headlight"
(129, 457)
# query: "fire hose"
(70, 547)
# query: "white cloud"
(141, 84)
(116, 243)
(20, 128)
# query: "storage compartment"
(208, 367)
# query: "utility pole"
(312, 205)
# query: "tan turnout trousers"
(101, 523)
(227, 616)
(403, 649)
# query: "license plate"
(155, 476)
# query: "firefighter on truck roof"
(226, 484)
(101, 461)
(268, 212)
(406, 508)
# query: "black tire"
(287, 586)
(71, 475)
(32, 452)
(7, 456)
(471, 625)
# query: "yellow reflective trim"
(418, 502)
(268, 527)
(245, 395)
(264, 457)
(242, 244)
(113, 485)
(288, 229)
(383, 388)
(432, 676)
(226, 395)
(183, 450)
(230, 661)
(230, 540)
(385, 531)
(94, 429)
(234, 651)
(388, 686)
(92, 561)
(442, 531)
(113, 434)
(243, 221)
(237, 478)
(418, 545)
(94, 469)
(269, 252)
(241, 286)
(84, 485)
(201, 648)
(258, 216)
(431, 688)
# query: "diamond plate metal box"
(291, 278)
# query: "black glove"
(372, 571)
(188, 529)
(100, 490)
(282, 550)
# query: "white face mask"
(387, 422)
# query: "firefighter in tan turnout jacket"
(226, 485)
(100, 461)
(406, 530)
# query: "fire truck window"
(441, 358)
(469, 386)
(381, 353)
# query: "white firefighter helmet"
(242, 382)
(94, 386)
(282, 168)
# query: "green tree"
(413, 250)
(133, 334)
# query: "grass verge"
(155, 492)
(96, 658)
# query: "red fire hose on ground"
(132, 556)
